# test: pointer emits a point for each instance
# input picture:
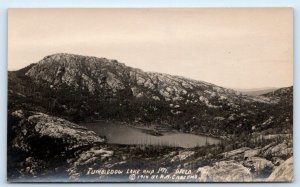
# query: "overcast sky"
(237, 48)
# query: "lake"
(121, 134)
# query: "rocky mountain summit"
(93, 74)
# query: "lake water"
(122, 134)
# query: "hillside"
(49, 99)
(82, 88)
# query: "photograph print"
(150, 95)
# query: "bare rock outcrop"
(260, 167)
(225, 171)
(279, 150)
(44, 143)
(86, 159)
(283, 173)
(43, 130)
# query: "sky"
(232, 47)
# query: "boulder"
(182, 155)
(44, 143)
(224, 171)
(251, 153)
(237, 153)
(86, 159)
(279, 150)
(283, 173)
(259, 166)
(277, 161)
(44, 134)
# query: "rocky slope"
(46, 101)
(82, 88)
(43, 147)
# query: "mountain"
(256, 91)
(84, 88)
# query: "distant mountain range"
(256, 91)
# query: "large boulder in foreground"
(40, 145)
(260, 167)
(283, 173)
(225, 171)
(46, 135)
